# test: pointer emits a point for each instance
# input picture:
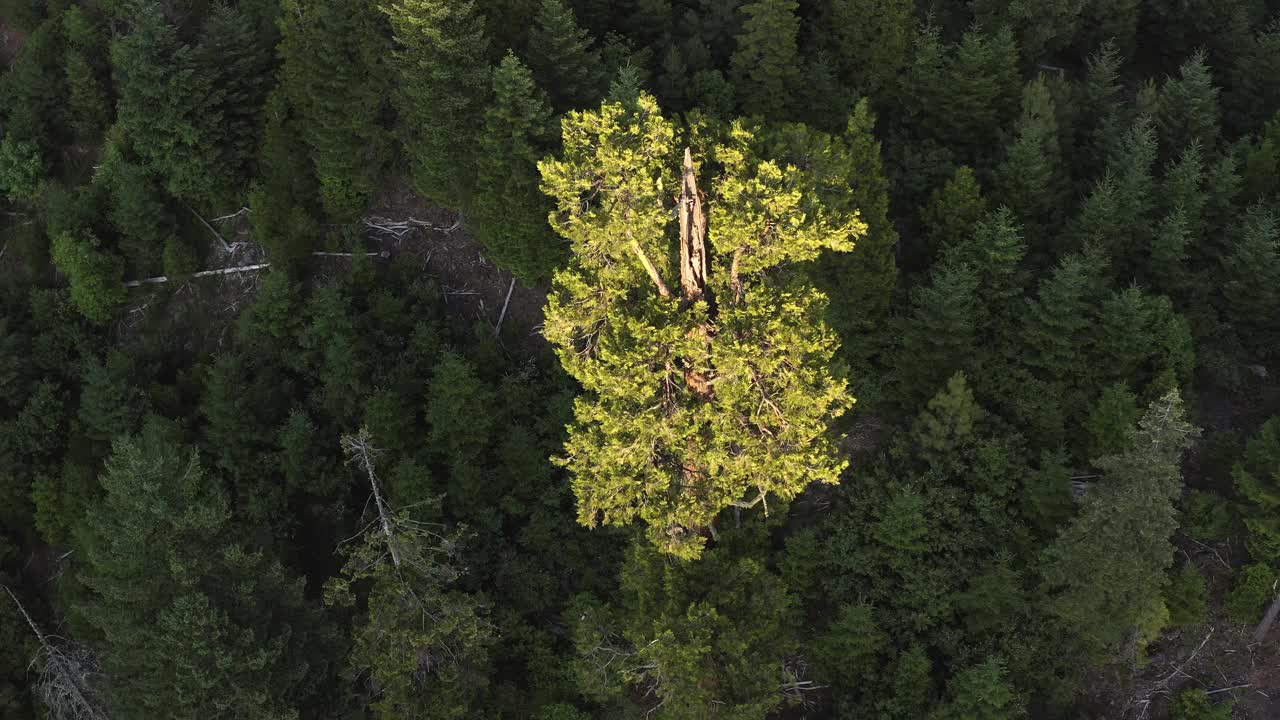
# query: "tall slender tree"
(442, 67)
(767, 61)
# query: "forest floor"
(423, 238)
(1218, 656)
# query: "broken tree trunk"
(203, 273)
(693, 235)
(1268, 620)
(497, 329)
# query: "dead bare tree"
(63, 686)
(360, 449)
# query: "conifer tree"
(562, 59)
(190, 624)
(1028, 180)
(1042, 27)
(442, 67)
(861, 282)
(873, 39)
(1102, 123)
(1251, 282)
(1253, 93)
(981, 692)
(767, 62)
(1121, 539)
(977, 93)
(88, 102)
(1188, 112)
(334, 77)
(711, 639)
(509, 212)
(1257, 478)
(954, 211)
(938, 337)
(667, 373)
(96, 275)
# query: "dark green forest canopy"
(682, 359)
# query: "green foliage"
(1029, 179)
(562, 59)
(509, 212)
(1108, 424)
(333, 76)
(189, 623)
(1121, 537)
(873, 39)
(1195, 704)
(89, 106)
(711, 638)
(766, 63)
(1255, 587)
(96, 276)
(981, 692)
(648, 360)
(1257, 479)
(21, 169)
(1188, 113)
(1187, 597)
(954, 211)
(442, 66)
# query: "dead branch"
(235, 214)
(503, 315)
(663, 290)
(693, 235)
(225, 245)
(62, 684)
(1178, 670)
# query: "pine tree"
(1119, 212)
(873, 39)
(766, 64)
(285, 197)
(1029, 179)
(1121, 539)
(442, 65)
(33, 89)
(1253, 93)
(1102, 119)
(1250, 285)
(665, 371)
(1054, 322)
(1188, 112)
(335, 80)
(423, 642)
(562, 59)
(509, 212)
(981, 692)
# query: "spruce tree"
(562, 59)
(766, 64)
(665, 370)
(938, 336)
(88, 102)
(509, 212)
(96, 275)
(977, 93)
(442, 67)
(1250, 285)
